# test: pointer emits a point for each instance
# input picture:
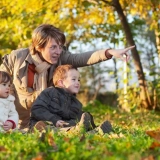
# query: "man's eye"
(60, 46)
(53, 47)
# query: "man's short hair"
(42, 34)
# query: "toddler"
(8, 114)
(59, 106)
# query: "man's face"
(51, 52)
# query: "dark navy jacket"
(55, 104)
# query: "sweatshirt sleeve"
(83, 59)
(13, 114)
(8, 63)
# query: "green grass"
(129, 140)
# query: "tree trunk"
(115, 74)
(158, 42)
(141, 78)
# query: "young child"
(8, 114)
(59, 105)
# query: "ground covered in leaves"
(136, 136)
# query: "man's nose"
(58, 51)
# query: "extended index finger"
(128, 48)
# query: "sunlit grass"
(128, 140)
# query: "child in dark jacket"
(59, 106)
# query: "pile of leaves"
(136, 135)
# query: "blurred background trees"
(91, 25)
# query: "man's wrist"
(107, 54)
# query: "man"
(32, 68)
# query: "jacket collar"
(63, 91)
(23, 70)
(23, 65)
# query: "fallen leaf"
(2, 149)
(155, 145)
(150, 157)
(82, 138)
(39, 157)
(51, 141)
(154, 134)
(114, 135)
(66, 139)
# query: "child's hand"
(61, 123)
(7, 126)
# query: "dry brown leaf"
(66, 139)
(154, 134)
(150, 157)
(82, 138)
(51, 141)
(39, 157)
(155, 145)
(2, 149)
(90, 147)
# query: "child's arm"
(13, 116)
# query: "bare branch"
(93, 1)
(107, 2)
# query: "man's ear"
(38, 49)
(60, 83)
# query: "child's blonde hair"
(4, 77)
(60, 72)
